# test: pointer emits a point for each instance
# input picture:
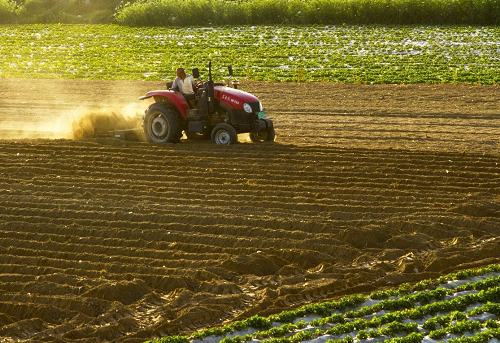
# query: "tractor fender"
(175, 98)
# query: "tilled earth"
(366, 187)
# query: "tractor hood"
(233, 97)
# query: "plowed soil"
(366, 187)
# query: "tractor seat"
(191, 100)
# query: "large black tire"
(263, 136)
(224, 134)
(162, 124)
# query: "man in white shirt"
(183, 84)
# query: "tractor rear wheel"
(224, 134)
(162, 125)
(263, 136)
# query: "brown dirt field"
(366, 187)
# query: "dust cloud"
(69, 109)
(103, 123)
(76, 124)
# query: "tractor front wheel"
(263, 136)
(224, 134)
(162, 125)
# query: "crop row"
(387, 326)
(392, 321)
(389, 317)
(353, 54)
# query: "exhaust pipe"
(209, 70)
(210, 90)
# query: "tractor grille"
(255, 106)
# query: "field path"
(367, 187)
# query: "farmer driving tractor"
(183, 84)
(218, 112)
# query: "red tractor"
(218, 112)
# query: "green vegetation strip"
(252, 12)
(351, 54)
(431, 309)
(258, 12)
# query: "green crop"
(352, 54)
(345, 324)
(387, 325)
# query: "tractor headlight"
(261, 108)
(247, 108)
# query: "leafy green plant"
(414, 337)
(394, 327)
(373, 333)
(438, 334)
(258, 322)
(480, 337)
(237, 339)
(463, 326)
(171, 339)
(483, 284)
(492, 324)
(347, 339)
(362, 334)
(281, 330)
(424, 284)
(443, 321)
(334, 318)
(379, 295)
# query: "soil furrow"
(366, 187)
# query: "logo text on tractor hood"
(228, 98)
